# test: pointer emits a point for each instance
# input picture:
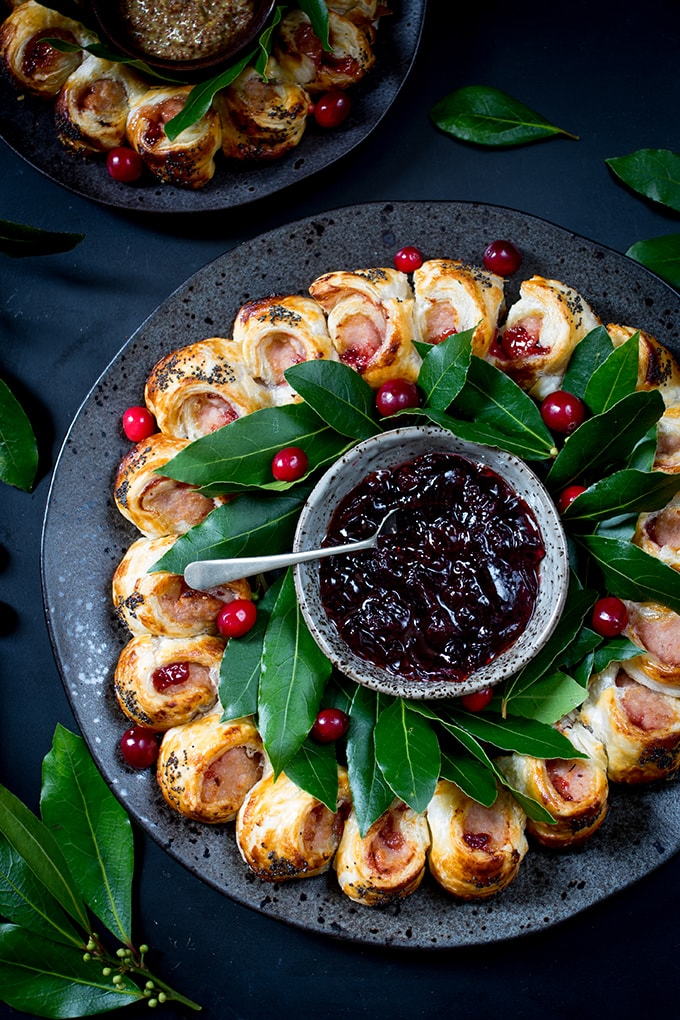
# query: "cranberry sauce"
(456, 584)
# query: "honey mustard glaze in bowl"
(466, 591)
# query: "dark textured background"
(604, 73)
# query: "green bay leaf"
(18, 240)
(588, 355)
(444, 369)
(615, 378)
(548, 699)
(661, 255)
(338, 395)
(617, 650)
(242, 662)
(631, 573)
(624, 492)
(488, 116)
(654, 173)
(18, 448)
(26, 902)
(371, 796)
(470, 776)
(407, 751)
(314, 769)
(526, 736)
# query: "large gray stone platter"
(28, 128)
(85, 538)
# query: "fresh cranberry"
(610, 616)
(396, 395)
(478, 700)
(289, 464)
(139, 747)
(568, 495)
(138, 424)
(169, 676)
(236, 618)
(407, 259)
(502, 258)
(125, 164)
(562, 412)
(332, 109)
(329, 725)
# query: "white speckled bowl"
(388, 450)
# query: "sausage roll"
(370, 321)
(31, 63)
(93, 104)
(155, 504)
(656, 629)
(188, 162)
(540, 334)
(262, 119)
(639, 727)
(163, 682)
(277, 332)
(451, 297)
(197, 389)
(206, 767)
(283, 832)
(657, 368)
(302, 59)
(658, 533)
(476, 851)
(388, 863)
(162, 603)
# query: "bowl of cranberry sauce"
(467, 588)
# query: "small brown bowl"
(115, 32)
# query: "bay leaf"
(18, 448)
(631, 573)
(444, 369)
(587, 356)
(25, 901)
(18, 240)
(615, 378)
(314, 769)
(616, 650)
(487, 435)
(488, 116)
(338, 395)
(92, 830)
(241, 662)
(525, 736)
(654, 173)
(407, 751)
(661, 255)
(624, 492)
(317, 12)
(470, 776)
(548, 699)
(371, 796)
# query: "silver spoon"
(205, 574)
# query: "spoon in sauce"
(205, 574)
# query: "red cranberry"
(329, 725)
(169, 676)
(124, 164)
(407, 259)
(236, 618)
(138, 424)
(610, 616)
(289, 464)
(562, 412)
(502, 258)
(478, 700)
(139, 747)
(568, 495)
(396, 395)
(332, 109)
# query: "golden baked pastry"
(388, 863)
(277, 332)
(93, 104)
(658, 533)
(34, 65)
(656, 629)
(302, 59)
(262, 119)
(283, 832)
(162, 603)
(540, 334)
(476, 851)
(163, 682)
(639, 727)
(206, 767)
(668, 440)
(155, 504)
(188, 161)
(451, 297)
(370, 321)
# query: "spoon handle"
(205, 574)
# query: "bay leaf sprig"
(57, 873)
(18, 446)
(487, 116)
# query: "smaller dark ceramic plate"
(643, 825)
(28, 128)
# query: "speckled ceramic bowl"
(388, 450)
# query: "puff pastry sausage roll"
(187, 162)
(155, 504)
(540, 334)
(370, 321)
(658, 533)
(668, 440)
(302, 59)
(277, 332)
(283, 832)
(388, 863)
(476, 851)
(93, 104)
(31, 63)
(197, 389)
(206, 768)
(639, 727)
(262, 119)
(656, 629)
(163, 682)
(451, 297)
(162, 603)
